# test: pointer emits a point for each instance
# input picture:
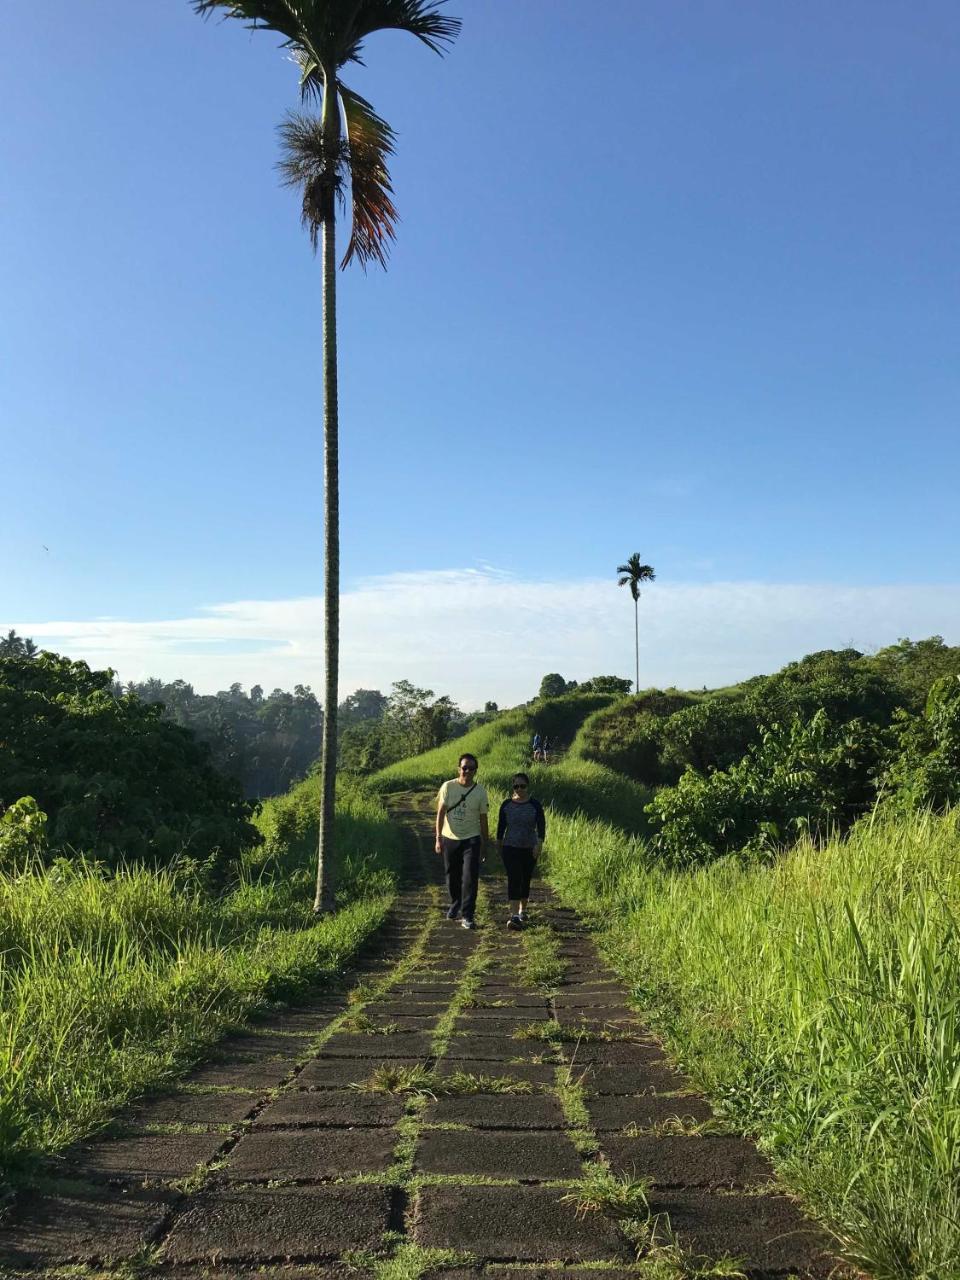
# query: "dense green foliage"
(267, 742)
(115, 780)
(110, 983)
(810, 748)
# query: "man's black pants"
(461, 862)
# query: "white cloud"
(480, 633)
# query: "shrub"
(811, 776)
(115, 780)
(926, 773)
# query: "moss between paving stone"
(766, 1233)
(687, 1161)
(645, 1110)
(276, 1223)
(330, 1107)
(89, 1225)
(497, 1111)
(527, 1223)
(309, 1154)
(540, 1156)
(189, 1108)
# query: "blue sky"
(683, 283)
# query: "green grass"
(112, 983)
(818, 1003)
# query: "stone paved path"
(442, 1100)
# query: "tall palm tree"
(632, 574)
(340, 157)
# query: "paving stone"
(409, 1008)
(404, 1044)
(334, 1073)
(498, 1155)
(308, 1154)
(156, 1156)
(269, 1044)
(279, 1222)
(190, 1108)
(681, 1160)
(645, 1110)
(92, 1225)
(331, 1107)
(590, 998)
(308, 1023)
(495, 1048)
(552, 1273)
(407, 1025)
(242, 1075)
(498, 1111)
(487, 1026)
(642, 1078)
(535, 1072)
(524, 1223)
(765, 1233)
(615, 1053)
(330, 1271)
(518, 999)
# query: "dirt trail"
(277, 1159)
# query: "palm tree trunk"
(323, 899)
(636, 640)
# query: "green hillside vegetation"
(572, 783)
(144, 906)
(812, 991)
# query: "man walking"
(462, 836)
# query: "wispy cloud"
(480, 633)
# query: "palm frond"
(421, 18)
(370, 140)
(307, 163)
(354, 167)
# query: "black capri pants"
(519, 864)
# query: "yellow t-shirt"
(464, 821)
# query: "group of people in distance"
(541, 745)
(463, 834)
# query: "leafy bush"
(926, 773)
(627, 736)
(115, 780)
(809, 776)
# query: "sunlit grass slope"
(818, 1000)
(570, 782)
(111, 983)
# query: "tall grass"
(818, 1001)
(109, 983)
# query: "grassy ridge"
(572, 783)
(111, 983)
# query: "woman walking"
(520, 833)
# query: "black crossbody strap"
(461, 800)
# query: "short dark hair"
(467, 756)
(521, 777)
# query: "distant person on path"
(537, 747)
(521, 830)
(544, 748)
(462, 837)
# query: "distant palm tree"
(632, 574)
(332, 167)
